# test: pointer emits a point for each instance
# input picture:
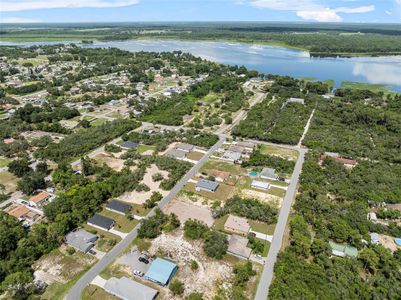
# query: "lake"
(274, 60)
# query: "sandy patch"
(210, 275)
(388, 242)
(263, 197)
(141, 197)
(185, 211)
(61, 267)
(114, 163)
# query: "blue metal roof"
(161, 271)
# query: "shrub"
(177, 287)
(194, 265)
(215, 245)
(195, 229)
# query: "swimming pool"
(253, 173)
(398, 241)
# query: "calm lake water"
(276, 60)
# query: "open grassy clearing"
(366, 86)
(103, 243)
(122, 222)
(94, 292)
(194, 155)
(143, 148)
(142, 244)
(262, 227)
(40, 59)
(139, 210)
(223, 166)
(211, 97)
(219, 223)
(9, 181)
(275, 150)
(98, 122)
(4, 162)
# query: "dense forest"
(322, 39)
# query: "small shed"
(161, 271)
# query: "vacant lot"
(58, 269)
(141, 197)
(9, 181)
(279, 151)
(210, 275)
(108, 159)
(185, 211)
(223, 166)
(106, 239)
(195, 155)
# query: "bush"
(194, 296)
(194, 265)
(195, 229)
(177, 287)
(215, 245)
(157, 177)
(243, 272)
(70, 251)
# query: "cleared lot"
(185, 211)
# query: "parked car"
(138, 273)
(143, 260)
(24, 202)
(93, 252)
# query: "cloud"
(323, 15)
(19, 5)
(388, 12)
(311, 9)
(18, 20)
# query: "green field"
(4, 162)
(279, 151)
(122, 222)
(367, 86)
(262, 227)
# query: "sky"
(56, 11)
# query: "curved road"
(76, 291)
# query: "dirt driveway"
(186, 210)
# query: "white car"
(138, 273)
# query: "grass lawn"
(114, 270)
(266, 247)
(219, 223)
(98, 122)
(122, 222)
(366, 86)
(139, 210)
(222, 193)
(223, 166)
(211, 97)
(262, 227)
(277, 192)
(143, 148)
(9, 181)
(195, 155)
(4, 162)
(142, 244)
(105, 237)
(94, 292)
(115, 115)
(275, 150)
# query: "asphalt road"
(76, 291)
(267, 274)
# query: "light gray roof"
(130, 145)
(230, 155)
(260, 184)
(176, 153)
(128, 289)
(268, 172)
(237, 245)
(185, 147)
(207, 184)
(81, 240)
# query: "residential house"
(81, 240)
(40, 200)
(374, 238)
(237, 225)
(230, 156)
(268, 173)
(260, 185)
(237, 246)
(175, 153)
(371, 216)
(206, 185)
(220, 176)
(24, 214)
(101, 222)
(128, 289)
(118, 207)
(343, 250)
(185, 147)
(129, 145)
(296, 100)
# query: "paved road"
(267, 274)
(76, 291)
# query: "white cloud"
(20, 5)
(18, 20)
(323, 15)
(388, 12)
(355, 10)
(311, 9)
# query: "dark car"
(143, 260)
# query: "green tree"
(177, 287)
(215, 244)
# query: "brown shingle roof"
(39, 197)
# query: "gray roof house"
(206, 185)
(231, 156)
(81, 240)
(129, 145)
(118, 207)
(175, 153)
(185, 147)
(237, 246)
(128, 289)
(101, 222)
(296, 100)
(268, 173)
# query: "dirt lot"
(58, 266)
(9, 181)
(113, 162)
(195, 155)
(141, 197)
(185, 210)
(262, 196)
(388, 242)
(207, 279)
